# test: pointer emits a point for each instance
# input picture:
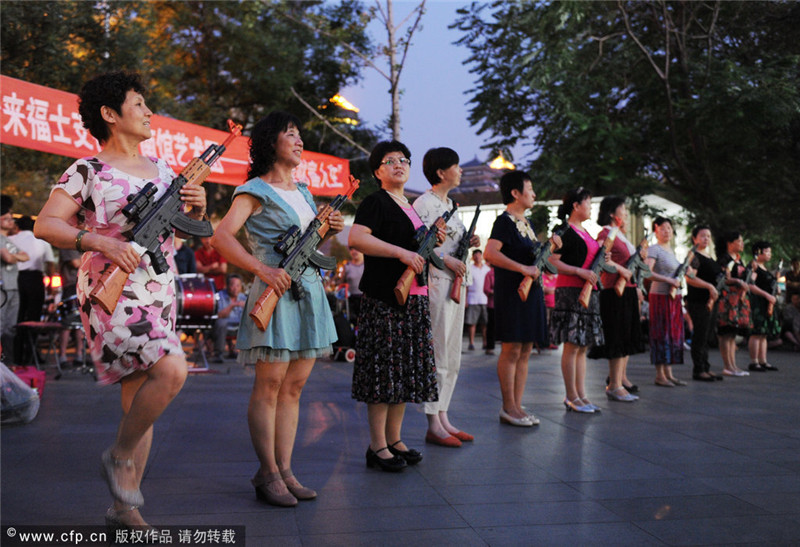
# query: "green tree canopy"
(698, 101)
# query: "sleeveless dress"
(298, 329)
(141, 330)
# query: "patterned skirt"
(763, 323)
(733, 313)
(394, 353)
(666, 329)
(570, 322)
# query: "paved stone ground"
(706, 464)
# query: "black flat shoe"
(411, 456)
(767, 366)
(755, 367)
(701, 378)
(393, 464)
(633, 388)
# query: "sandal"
(115, 521)
(108, 471)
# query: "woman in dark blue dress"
(518, 325)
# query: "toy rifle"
(156, 219)
(426, 241)
(680, 271)
(300, 252)
(720, 284)
(599, 263)
(637, 266)
(540, 260)
(773, 289)
(461, 252)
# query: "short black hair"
(435, 159)
(699, 228)
(513, 180)
(383, 148)
(105, 90)
(576, 195)
(263, 137)
(608, 207)
(25, 223)
(661, 220)
(6, 203)
(759, 246)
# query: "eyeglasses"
(401, 161)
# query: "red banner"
(45, 119)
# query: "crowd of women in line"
(405, 353)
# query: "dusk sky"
(433, 104)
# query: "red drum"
(197, 301)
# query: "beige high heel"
(298, 490)
(264, 493)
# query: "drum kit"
(67, 313)
(197, 302)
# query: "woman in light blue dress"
(300, 330)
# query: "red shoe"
(450, 441)
(463, 437)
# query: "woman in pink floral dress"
(135, 345)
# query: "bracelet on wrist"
(79, 239)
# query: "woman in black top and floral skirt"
(394, 347)
(762, 304)
(577, 327)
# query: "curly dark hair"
(263, 138)
(576, 195)
(383, 148)
(105, 90)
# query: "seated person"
(791, 322)
(231, 305)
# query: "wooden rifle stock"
(525, 288)
(619, 286)
(403, 286)
(264, 308)
(586, 291)
(586, 294)
(108, 289)
(525, 285)
(455, 292)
